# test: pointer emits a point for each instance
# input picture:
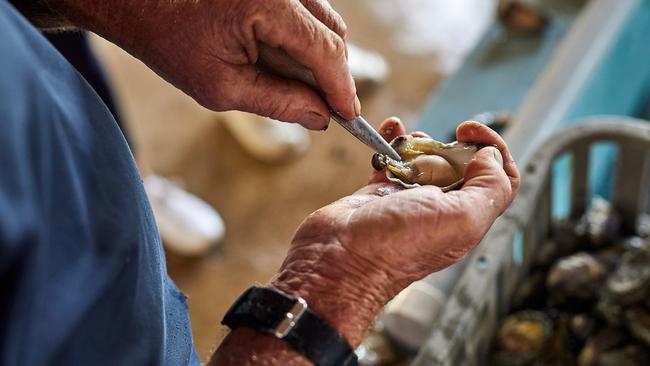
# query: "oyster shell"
(630, 283)
(606, 339)
(601, 223)
(637, 321)
(426, 161)
(582, 326)
(563, 241)
(522, 17)
(610, 310)
(628, 355)
(575, 280)
(522, 338)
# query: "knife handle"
(276, 61)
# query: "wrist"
(340, 288)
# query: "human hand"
(349, 258)
(208, 49)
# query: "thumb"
(278, 98)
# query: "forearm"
(106, 18)
(346, 299)
(53, 15)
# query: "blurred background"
(262, 203)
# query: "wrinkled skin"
(370, 245)
(208, 49)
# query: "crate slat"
(628, 185)
(579, 179)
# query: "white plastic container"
(463, 331)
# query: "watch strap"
(289, 318)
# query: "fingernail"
(497, 156)
(357, 106)
(313, 120)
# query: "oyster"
(560, 349)
(628, 355)
(574, 280)
(522, 17)
(563, 241)
(582, 326)
(638, 322)
(643, 227)
(426, 161)
(606, 339)
(610, 310)
(522, 338)
(630, 283)
(601, 223)
(634, 243)
(531, 292)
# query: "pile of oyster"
(586, 301)
(426, 161)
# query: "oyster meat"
(426, 161)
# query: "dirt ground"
(263, 204)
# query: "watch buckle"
(291, 318)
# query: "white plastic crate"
(463, 331)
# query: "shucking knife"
(278, 62)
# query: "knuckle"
(343, 30)
(247, 10)
(279, 111)
(261, 103)
(324, 12)
(337, 45)
(340, 27)
(254, 12)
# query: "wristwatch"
(289, 318)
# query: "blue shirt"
(82, 272)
